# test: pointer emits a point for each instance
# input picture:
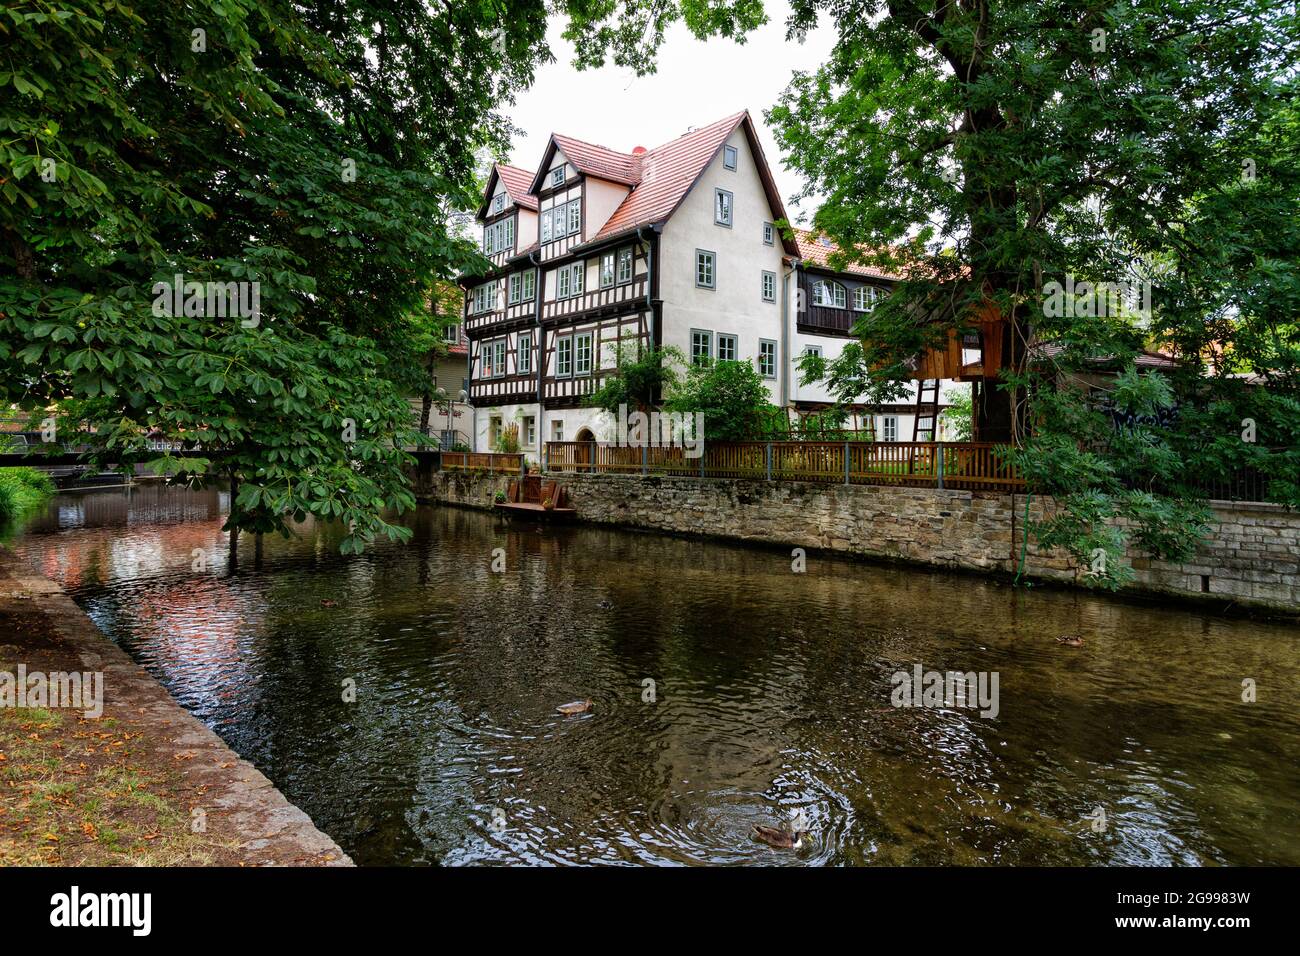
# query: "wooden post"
(938, 466)
(769, 461)
(645, 459)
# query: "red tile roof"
(816, 249)
(600, 161)
(517, 181)
(667, 174)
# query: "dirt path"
(145, 783)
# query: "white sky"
(697, 83)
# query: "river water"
(770, 697)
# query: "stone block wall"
(1250, 558)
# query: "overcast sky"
(697, 83)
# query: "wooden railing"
(495, 463)
(966, 465)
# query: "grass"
(84, 792)
(22, 491)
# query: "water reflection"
(772, 696)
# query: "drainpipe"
(786, 358)
(649, 283)
(539, 289)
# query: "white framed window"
(575, 217)
(568, 280)
(485, 297)
(705, 277)
(729, 157)
(451, 333)
(557, 175)
(607, 270)
(722, 207)
(582, 354)
(499, 361)
(769, 286)
(624, 266)
(529, 284)
(828, 294)
(498, 202)
(564, 356)
(546, 226)
(530, 431)
(865, 297)
(701, 347)
(516, 283)
(727, 350)
(769, 234)
(767, 358)
(524, 357)
(889, 428)
(813, 350)
(557, 431)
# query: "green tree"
(987, 148)
(644, 376)
(732, 397)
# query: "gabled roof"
(817, 248)
(670, 171)
(515, 180)
(592, 160)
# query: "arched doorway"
(584, 456)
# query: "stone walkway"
(242, 806)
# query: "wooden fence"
(494, 463)
(967, 465)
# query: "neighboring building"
(675, 245)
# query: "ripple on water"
(771, 696)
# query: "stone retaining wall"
(1251, 557)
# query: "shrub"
(22, 491)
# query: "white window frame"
(708, 346)
(769, 286)
(813, 350)
(769, 234)
(546, 235)
(500, 361)
(730, 157)
(733, 342)
(582, 348)
(761, 353)
(563, 351)
(824, 288)
(712, 265)
(865, 298)
(530, 431)
(451, 333)
(524, 353)
(719, 206)
(557, 430)
(498, 202)
(888, 427)
(574, 216)
(625, 257)
(529, 286)
(607, 278)
(516, 283)
(554, 179)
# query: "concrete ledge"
(269, 829)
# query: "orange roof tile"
(667, 174)
(517, 181)
(817, 248)
(600, 161)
